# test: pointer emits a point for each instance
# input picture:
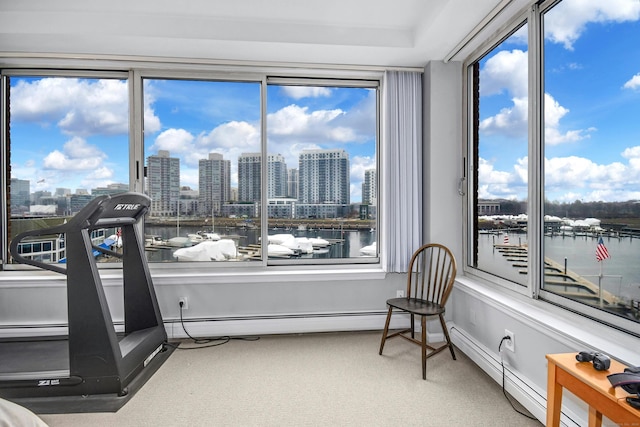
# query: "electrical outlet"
(183, 302)
(399, 294)
(510, 344)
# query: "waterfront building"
(62, 192)
(78, 201)
(163, 183)
(276, 176)
(110, 189)
(369, 187)
(214, 183)
(249, 177)
(281, 208)
(20, 199)
(292, 183)
(322, 210)
(249, 170)
(324, 177)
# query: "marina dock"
(558, 279)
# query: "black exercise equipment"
(93, 359)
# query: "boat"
(179, 242)
(371, 250)
(279, 251)
(300, 245)
(208, 250)
(154, 240)
(318, 242)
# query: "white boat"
(300, 244)
(279, 251)
(154, 240)
(371, 250)
(318, 242)
(208, 250)
(179, 242)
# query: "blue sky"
(592, 106)
(72, 133)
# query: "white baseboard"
(533, 398)
(269, 325)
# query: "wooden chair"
(432, 271)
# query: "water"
(621, 272)
(353, 241)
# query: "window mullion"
(536, 154)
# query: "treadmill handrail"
(89, 217)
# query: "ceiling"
(401, 33)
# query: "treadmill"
(93, 368)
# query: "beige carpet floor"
(333, 379)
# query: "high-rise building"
(249, 177)
(163, 183)
(20, 197)
(276, 176)
(292, 183)
(324, 177)
(110, 189)
(369, 187)
(249, 169)
(214, 183)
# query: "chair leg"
(446, 335)
(386, 330)
(413, 326)
(423, 324)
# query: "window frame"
(468, 129)
(135, 73)
(533, 16)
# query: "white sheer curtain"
(402, 168)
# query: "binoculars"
(601, 362)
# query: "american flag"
(601, 251)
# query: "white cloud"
(570, 178)
(79, 107)
(299, 92)
(175, 141)
(633, 83)
(235, 134)
(511, 121)
(566, 22)
(76, 155)
(496, 184)
(506, 70)
(296, 121)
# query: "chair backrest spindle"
(432, 270)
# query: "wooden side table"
(591, 386)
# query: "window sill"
(176, 274)
(272, 274)
(570, 329)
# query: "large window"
(500, 158)
(592, 153)
(67, 142)
(321, 170)
(198, 138)
(555, 211)
(246, 169)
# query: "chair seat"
(416, 306)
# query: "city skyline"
(74, 132)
